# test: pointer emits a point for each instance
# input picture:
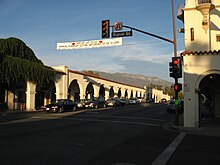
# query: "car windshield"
(60, 101)
(82, 100)
(93, 99)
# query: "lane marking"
(125, 117)
(167, 153)
(80, 119)
(115, 121)
(98, 120)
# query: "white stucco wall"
(196, 67)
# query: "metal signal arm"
(150, 34)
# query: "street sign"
(89, 44)
(118, 26)
(122, 34)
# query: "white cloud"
(148, 53)
(142, 53)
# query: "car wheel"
(60, 110)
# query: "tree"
(18, 62)
(166, 90)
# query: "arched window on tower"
(204, 1)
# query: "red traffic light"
(176, 67)
(176, 61)
(177, 87)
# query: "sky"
(42, 24)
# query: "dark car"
(124, 101)
(163, 100)
(113, 102)
(61, 105)
(95, 102)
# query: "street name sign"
(122, 34)
(89, 44)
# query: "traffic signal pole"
(175, 55)
(174, 31)
(167, 40)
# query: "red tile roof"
(85, 74)
(211, 52)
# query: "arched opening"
(209, 98)
(3, 96)
(102, 91)
(89, 91)
(45, 94)
(111, 92)
(74, 91)
(13, 96)
(126, 93)
(132, 94)
(119, 93)
(136, 95)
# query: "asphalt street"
(127, 135)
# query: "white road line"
(167, 153)
(125, 117)
(98, 120)
(114, 121)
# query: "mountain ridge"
(138, 80)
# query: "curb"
(205, 131)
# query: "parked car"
(141, 99)
(81, 103)
(172, 107)
(95, 102)
(124, 101)
(163, 100)
(150, 100)
(113, 102)
(61, 105)
(133, 101)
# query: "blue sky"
(43, 23)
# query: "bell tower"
(201, 24)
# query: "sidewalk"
(209, 127)
(11, 111)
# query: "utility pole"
(175, 55)
(167, 40)
(174, 30)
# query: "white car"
(133, 101)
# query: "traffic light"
(105, 29)
(176, 67)
(177, 87)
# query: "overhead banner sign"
(89, 44)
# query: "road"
(128, 135)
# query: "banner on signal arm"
(89, 44)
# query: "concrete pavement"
(208, 126)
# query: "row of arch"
(74, 92)
(16, 95)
